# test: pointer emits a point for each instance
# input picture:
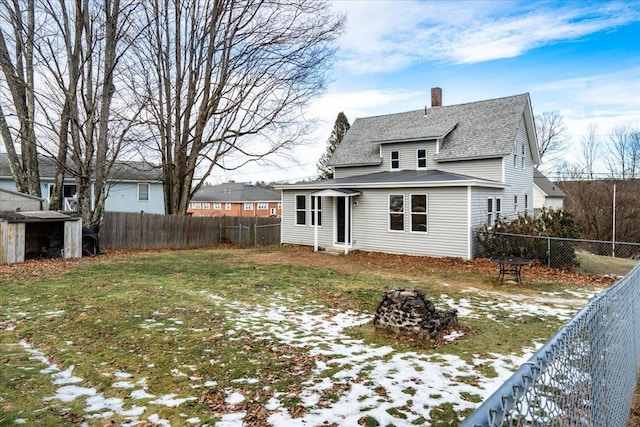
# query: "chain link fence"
(554, 252)
(255, 235)
(585, 375)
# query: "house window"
(314, 209)
(498, 208)
(396, 212)
(272, 212)
(143, 192)
(490, 212)
(248, 206)
(419, 213)
(301, 210)
(523, 151)
(279, 205)
(395, 160)
(263, 206)
(217, 206)
(515, 204)
(526, 203)
(421, 157)
(196, 205)
(206, 205)
(227, 206)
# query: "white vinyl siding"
(480, 168)
(305, 235)
(520, 180)
(356, 171)
(448, 233)
(408, 155)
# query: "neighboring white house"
(420, 182)
(545, 193)
(132, 186)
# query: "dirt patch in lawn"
(355, 262)
(414, 266)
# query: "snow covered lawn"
(182, 352)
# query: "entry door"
(343, 226)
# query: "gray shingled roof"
(473, 130)
(236, 192)
(548, 187)
(409, 178)
(121, 171)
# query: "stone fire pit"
(408, 311)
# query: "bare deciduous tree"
(17, 34)
(624, 153)
(590, 146)
(552, 134)
(226, 82)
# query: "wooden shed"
(38, 234)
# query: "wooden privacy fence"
(123, 230)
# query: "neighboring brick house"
(236, 199)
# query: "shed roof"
(546, 186)
(481, 129)
(236, 192)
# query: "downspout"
(315, 223)
(470, 230)
(347, 209)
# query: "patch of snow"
(170, 401)
(122, 384)
(141, 394)
(155, 418)
(234, 398)
(231, 420)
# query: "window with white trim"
(143, 191)
(301, 213)
(227, 206)
(248, 206)
(395, 159)
(196, 205)
(498, 208)
(314, 209)
(515, 204)
(217, 206)
(523, 152)
(419, 213)
(263, 206)
(526, 203)
(206, 205)
(279, 205)
(272, 212)
(396, 212)
(421, 158)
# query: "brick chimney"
(436, 97)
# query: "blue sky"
(581, 58)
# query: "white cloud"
(389, 36)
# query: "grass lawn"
(261, 337)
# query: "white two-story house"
(420, 182)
